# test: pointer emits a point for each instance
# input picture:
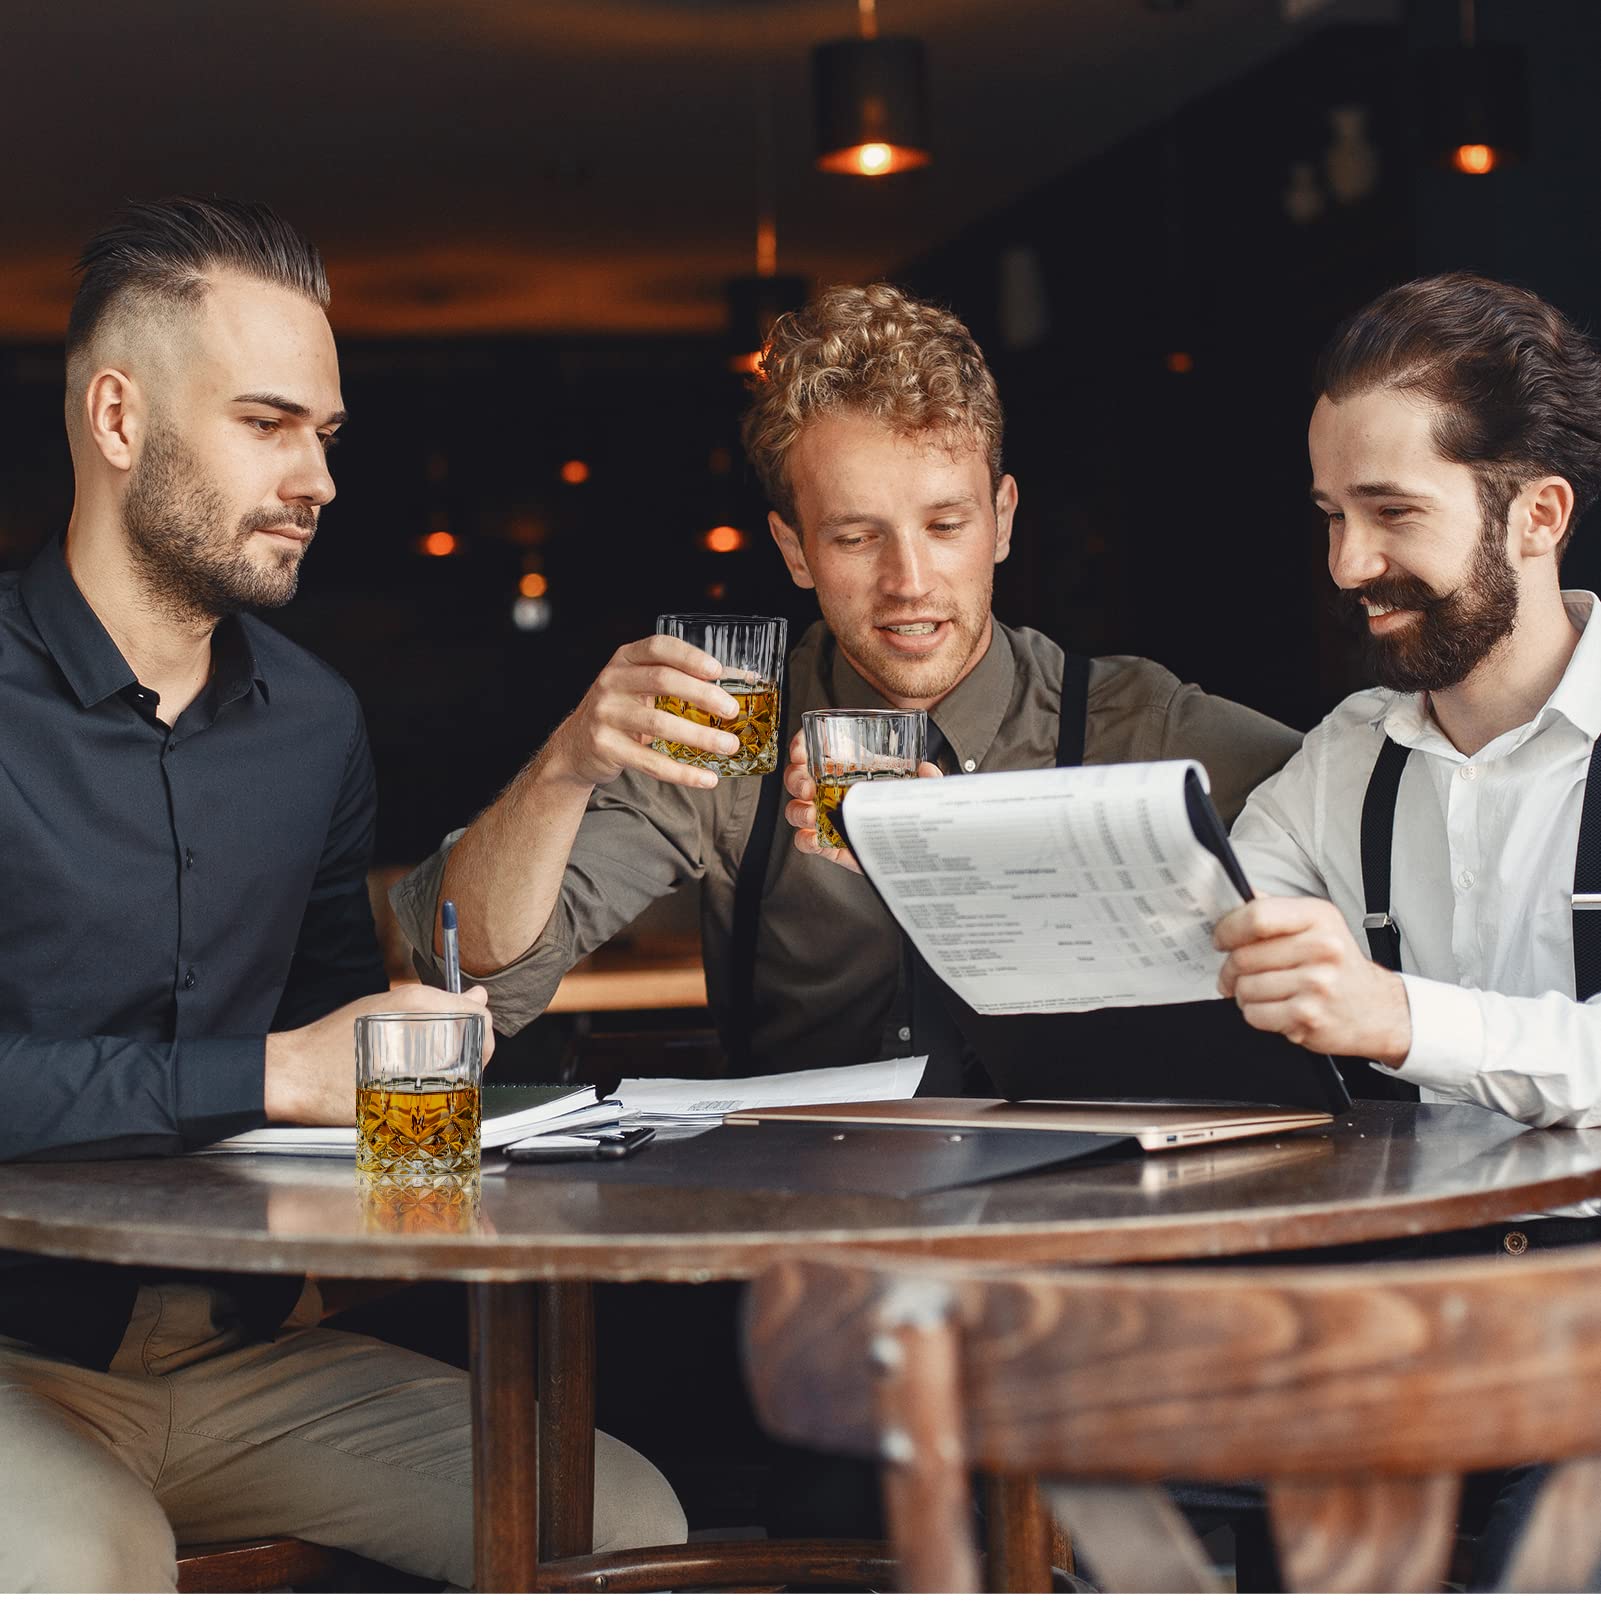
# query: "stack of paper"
(693, 1104)
(510, 1112)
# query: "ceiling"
(564, 165)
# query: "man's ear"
(1541, 516)
(1005, 511)
(789, 547)
(114, 416)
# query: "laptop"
(1163, 1076)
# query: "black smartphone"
(610, 1146)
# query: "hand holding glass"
(750, 651)
(856, 746)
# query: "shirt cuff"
(220, 1088)
(1447, 1035)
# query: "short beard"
(192, 569)
(918, 680)
(1454, 633)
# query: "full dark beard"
(193, 564)
(1453, 633)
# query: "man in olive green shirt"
(876, 431)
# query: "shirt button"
(969, 765)
(1465, 878)
(189, 980)
(188, 857)
(903, 1033)
(1515, 1242)
(1468, 772)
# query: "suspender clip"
(1384, 920)
(1586, 902)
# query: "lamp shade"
(871, 104)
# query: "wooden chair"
(278, 1563)
(1358, 1397)
(252, 1566)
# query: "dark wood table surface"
(538, 1241)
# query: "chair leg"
(917, 1399)
(1017, 1556)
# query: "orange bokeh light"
(533, 585)
(874, 160)
(723, 539)
(1475, 160)
(439, 543)
(749, 362)
(575, 472)
(1180, 361)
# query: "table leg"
(566, 1420)
(1017, 1558)
(505, 1447)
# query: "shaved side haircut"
(154, 257)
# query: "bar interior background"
(1150, 212)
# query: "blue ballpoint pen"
(447, 930)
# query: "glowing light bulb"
(575, 472)
(1475, 160)
(723, 539)
(873, 158)
(533, 585)
(439, 543)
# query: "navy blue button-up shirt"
(170, 895)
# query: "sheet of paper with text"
(1057, 890)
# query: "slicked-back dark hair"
(162, 250)
(1518, 386)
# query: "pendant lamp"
(1476, 103)
(871, 101)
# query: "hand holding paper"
(1294, 969)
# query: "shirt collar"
(969, 717)
(1576, 699)
(87, 655)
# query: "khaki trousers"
(197, 1434)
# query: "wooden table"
(539, 1242)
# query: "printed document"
(700, 1103)
(1059, 890)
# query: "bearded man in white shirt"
(1415, 860)
(1455, 444)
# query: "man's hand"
(1295, 969)
(311, 1071)
(614, 724)
(801, 812)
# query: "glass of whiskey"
(750, 650)
(854, 746)
(419, 1081)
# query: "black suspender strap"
(1075, 711)
(748, 889)
(1363, 1079)
(1378, 833)
(1587, 887)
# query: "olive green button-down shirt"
(828, 982)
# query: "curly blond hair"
(875, 350)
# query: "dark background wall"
(1152, 317)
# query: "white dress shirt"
(1480, 883)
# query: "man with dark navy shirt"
(186, 822)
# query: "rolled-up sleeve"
(639, 840)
